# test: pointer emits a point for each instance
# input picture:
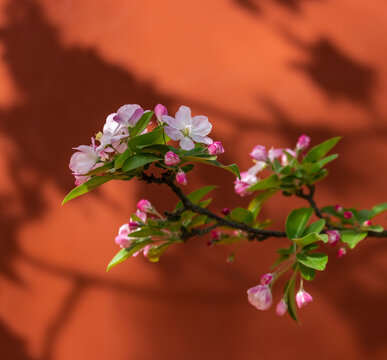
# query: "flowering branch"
(130, 144)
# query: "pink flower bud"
(145, 206)
(122, 238)
(284, 161)
(348, 214)
(303, 298)
(367, 223)
(259, 153)
(216, 148)
(181, 177)
(210, 242)
(160, 110)
(226, 211)
(141, 215)
(338, 208)
(303, 142)
(133, 225)
(333, 237)
(215, 234)
(266, 279)
(260, 297)
(281, 308)
(171, 158)
(342, 251)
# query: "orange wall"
(264, 72)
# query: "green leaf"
(306, 272)
(309, 248)
(315, 260)
(156, 251)
(101, 169)
(122, 158)
(297, 221)
(137, 160)
(378, 209)
(352, 238)
(330, 210)
(316, 227)
(141, 124)
(374, 228)
(321, 163)
(124, 254)
(142, 233)
(242, 215)
(256, 204)
(311, 238)
(320, 150)
(156, 149)
(233, 168)
(276, 166)
(291, 297)
(89, 185)
(151, 138)
(197, 195)
(268, 183)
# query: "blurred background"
(264, 72)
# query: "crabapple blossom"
(284, 158)
(160, 110)
(171, 158)
(216, 148)
(122, 239)
(281, 308)
(260, 296)
(215, 234)
(303, 142)
(266, 279)
(367, 223)
(187, 129)
(333, 237)
(113, 133)
(226, 211)
(128, 115)
(248, 178)
(83, 161)
(339, 209)
(303, 298)
(181, 177)
(342, 251)
(348, 214)
(259, 153)
(274, 154)
(145, 206)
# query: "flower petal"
(202, 139)
(186, 143)
(173, 133)
(183, 116)
(172, 122)
(201, 125)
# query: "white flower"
(84, 159)
(187, 129)
(128, 115)
(113, 133)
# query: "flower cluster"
(263, 158)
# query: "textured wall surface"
(263, 72)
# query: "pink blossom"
(248, 178)
(259, 153)
(181, 177)
(342, 251)
(128, 115)
(83, 161)
(333, 237)
(260, 297)
(141, 215)
(284, 158)
(171, 158)
(215, 234)
(146, 250)
(134, 225)
(348, 214)
(303, 298)
(216, 148)
(338, 208)
(160, 110)
(266, 279)
(187, 129)
(303, 142)
(113, 133)
(145, 206)
(274, 153)
(226, 211)
(367, 223)
(122, 239)
(281, 308)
